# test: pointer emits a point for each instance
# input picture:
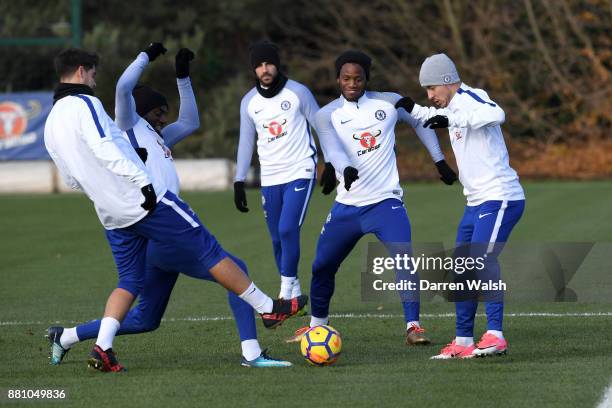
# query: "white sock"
(464, 341)
(69, 338)
(257, 299)
(286, 286)
(108, 329)
(414, 323)
(296, 290)
(318, 321)
(497, 333)
(250, 349)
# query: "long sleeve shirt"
(361, 134)
(91, 155)
(281, 126)
(140, 133)
(478, 143)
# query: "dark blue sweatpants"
(345, 225)
(486, 227)
(177, 243)
(285, 207)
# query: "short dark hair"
(68, 61)
(355, 57)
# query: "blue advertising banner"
(22, 125)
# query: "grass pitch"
(57, 268)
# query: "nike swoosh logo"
(342, 122)
(483, 215)
(395, 208)
(299, 189)
(257, 111)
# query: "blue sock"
(466, 312)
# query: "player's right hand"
(240, 197)
(447, 174)
(350, 175)
(150, 201)
(406, 102)
(436, 122)
(328, 179)
(154, 50)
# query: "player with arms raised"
(170, 239)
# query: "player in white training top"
(141, 112)
(357, 131)
(495, 198)
(278, 114)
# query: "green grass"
(56, 267)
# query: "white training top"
(477, 140)
(92, 156)
(159, 157)
(141, 134)
(285, 144)
(362, 135)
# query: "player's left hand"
(181, 62)
(436, 122)
(350, 176)
(328, 179)
(406, 102)
(447, 175)
(142, 153)
(150, 198)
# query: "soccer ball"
(321, 345)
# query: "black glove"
(150, 198)
(406, 102)
(142, 153)
(181, 62)
(240, 197)
(436, 122)
(447, 175)
(350, 175)
(328, 179)
(154, 50)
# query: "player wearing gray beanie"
(438, 70)
(440, 78)
(495, 198)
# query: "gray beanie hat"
(438, 70)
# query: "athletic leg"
(465, 310)
(184, 244)
(492, 229)
(465, 305)
(129, 251)
(272, 203)
(296, 196)
(338, 237)
(147, 314)
(389, 221)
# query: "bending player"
(358, 132)
(139, 109)
(174, 240)
(278, 112)
(495, 198)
